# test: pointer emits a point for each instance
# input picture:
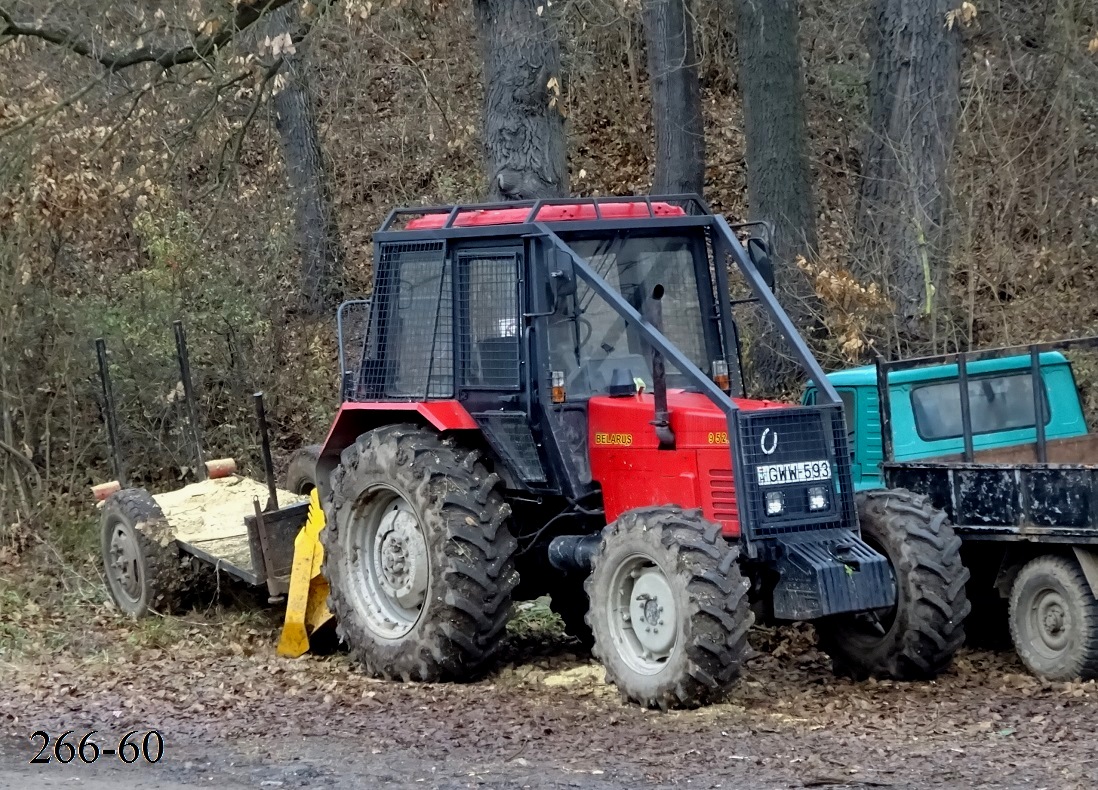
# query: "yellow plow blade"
(307, 600)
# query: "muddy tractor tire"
(144, 568)
(1054, 619)
(669, 608)
(918, 637)
(569, 602)
(301, 472)
(418, 556)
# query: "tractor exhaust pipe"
(572, 553)
(662, 418)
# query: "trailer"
(160, 549)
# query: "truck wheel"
(569, 602)
(301, 473)
(1054, 619)
(418, 556)
(141, 559)
(669, 608)
(917, 638)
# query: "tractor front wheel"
(668, 608)
(917, 638)
(418, 556)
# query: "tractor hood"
(695, 420)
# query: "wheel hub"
(401, 557)
(1052, 620)
(124, 564)
(643, 617)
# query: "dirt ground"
(233, 714)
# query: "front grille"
(785, 443)
(722, 490)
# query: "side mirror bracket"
(759, 252)
(562, 276)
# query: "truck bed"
(1004, 493)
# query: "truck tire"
(569, 601)
(918, 638)
(301, 472)
(673, 572)
(144, 569)
(1054, 619)
(418, 556)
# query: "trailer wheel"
(1054, 619)
(569, 601)
(301, 472)
(418, 556)
(144, 569)
(918, 637)
(669, 608)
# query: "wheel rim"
(642, 615)
(1050, 622)
(388, 563)
(124, 568)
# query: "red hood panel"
(695, 420)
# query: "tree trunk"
(914, 101)
(676, 98)
(779, 181)
(317, 234)
(524, 143)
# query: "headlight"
(817, 498)
(775, 503)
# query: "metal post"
(188, 396)
(884, 395)
(966, 405)
(1038, 412)
(110, 414)
(265, 444)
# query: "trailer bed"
(1006, 494)
(210, 520)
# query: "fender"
(354, 419)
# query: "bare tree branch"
(247, 13)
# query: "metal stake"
(966, 405)
(1038, 410)
(111, 417)
(188, 396)
(265, 442)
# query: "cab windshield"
(588, 339)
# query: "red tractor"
(546, 398)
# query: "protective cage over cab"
(588, 346)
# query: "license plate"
(801, 472)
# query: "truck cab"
(926, 419)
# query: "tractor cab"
(543, 389)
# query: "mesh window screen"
(410, 354)
(489, 321)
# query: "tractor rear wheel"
(669, 608)
(142, 562)
(917, 638)
(418, 556)
(1054, 619)
(301, 472)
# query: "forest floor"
(233, 714)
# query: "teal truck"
(1021, 493)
